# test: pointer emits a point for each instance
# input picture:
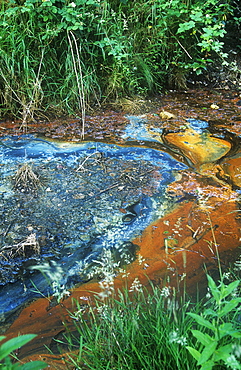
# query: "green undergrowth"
(61, 56)
(153, 330)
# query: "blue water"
(76, 213)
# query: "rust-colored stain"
(107, 123)
(199, 148)
(232, 167)
(192, 227)
(54, 361)
(175, 248)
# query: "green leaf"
(14, 343)
(226, 290)
(222, 353)
(34, 365)
(235, 334)
(214, 289)
(210, 312)
(228, 329)
(203, 338)
(201, 321)
(230, 306)
(199, 71)
(196, 15)
(194, 353)
(185, 26)
(225, 329)
(208, 365)
(207, 353)
(2, 337)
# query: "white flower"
(136, 286)
(124, 273)
(104, 311)
(208, 294)
(72, 4)
(84, 298)
(232, 362)
(125, 25)
(236, 349)
(175, 338)
(165, 292)
(141, 259)
(227, 275)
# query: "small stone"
(214, 106)
(166, 115)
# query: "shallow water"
(90, 197)
(152, 191)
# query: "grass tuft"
(149, 329)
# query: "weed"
(26, 180)
(218, 328)
(54, 276)
(23, 248)
(132, 331)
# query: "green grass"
(59, 56)
(133, 332)
(153, 330)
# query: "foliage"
(61, 55)
(219, 334)
(149, 330)
(12, 345)
(139, 330)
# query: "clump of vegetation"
(150, 330)
(218, 328)
(7, 348)
(137, 330)
(26, 180)
(30, 245)
(61, 56)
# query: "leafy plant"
(61, 56)
(218, 338)
(13, 344)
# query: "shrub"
(61, 55)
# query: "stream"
(153, 194)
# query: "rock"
(198, 147)
(166, 115)
(214, 106)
